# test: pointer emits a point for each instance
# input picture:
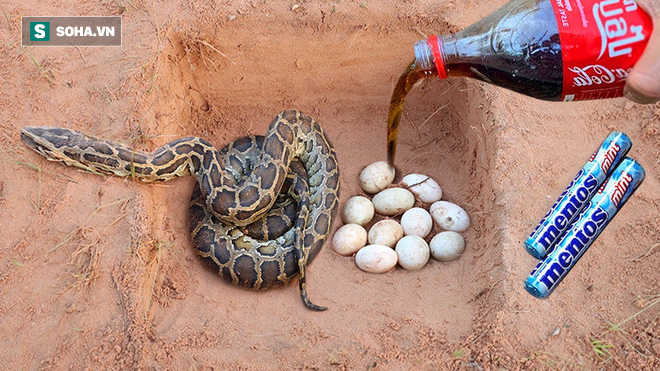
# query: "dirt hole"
(230, 85)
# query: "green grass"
(6, 17)
(33, 166)
(458, 353)
(601, 348)
(17, 263)
(110, 97)
(46, 73)
(39, 170)
(554, 361)
(647, 301)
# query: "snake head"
(45, 141)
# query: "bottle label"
(600, 42)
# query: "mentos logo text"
(554, 206)
(567, 211)
(586, 233)
(620, 188)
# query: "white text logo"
(616, 36)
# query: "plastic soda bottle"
(556, 50)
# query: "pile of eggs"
(389, 241)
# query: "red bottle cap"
(435, 45)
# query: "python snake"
(262, 207)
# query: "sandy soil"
(99, 273)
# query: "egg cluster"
(389, 241)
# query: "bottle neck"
(430, 55)
(459, 55)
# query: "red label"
(600, 42)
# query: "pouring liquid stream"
(407, 80)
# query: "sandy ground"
(99, 273)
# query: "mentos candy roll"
(578, 194)
(593, 219)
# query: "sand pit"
(99, 273)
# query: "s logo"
(39, 31)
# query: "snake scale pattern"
(262, 207)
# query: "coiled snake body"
(262, 208)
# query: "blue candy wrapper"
(577, 194)
(609, 199)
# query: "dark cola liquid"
(407, 80)
(517, 47)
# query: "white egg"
(413, 252)
(376, 258)
(393, 201)
(450, 216)
(358, 210)
(425, 188)
(376, 177)
(386, 232)
(447, 246)
(349, 239)
(416, 222)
